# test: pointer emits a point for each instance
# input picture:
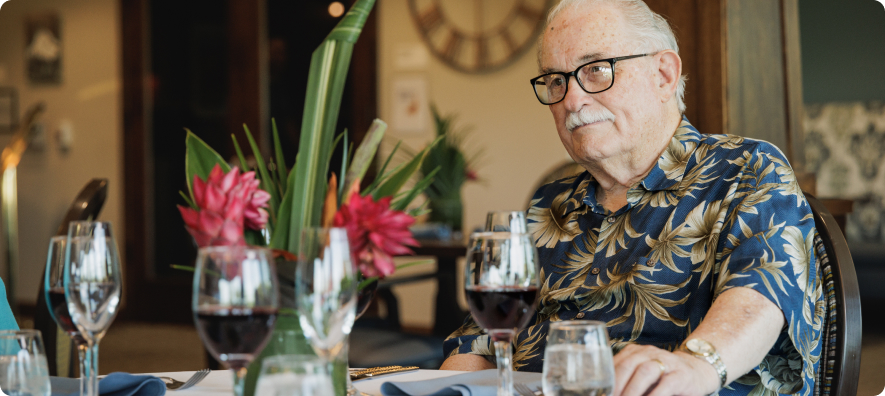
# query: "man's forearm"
(743, 325)
(466, 362)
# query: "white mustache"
(587, 116)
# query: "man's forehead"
(581, 34)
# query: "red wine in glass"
(235, 335)
(502, 307)
(59, 308)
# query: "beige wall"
(515, 130)
(88, 99)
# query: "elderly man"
(684, 244)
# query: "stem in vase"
(239, 380)
(504, 358)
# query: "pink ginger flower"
(376, 233)
(226, 203)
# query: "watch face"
(700, 346)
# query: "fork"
(174, 384)
(523, 390)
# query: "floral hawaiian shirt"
(716, 212)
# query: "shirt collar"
(667, 173)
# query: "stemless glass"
(502, 288)
(23, 369)
(93, 284)
(294, 375)
(54, 294)
(506, 221)
(578, 360)
(235, 304)
(326, 292)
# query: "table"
(220, 382)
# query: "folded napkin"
(114, 384)
(477, 383)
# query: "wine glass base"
(352, 391)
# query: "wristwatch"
(705, 350)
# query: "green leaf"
(365, 153)
(396, 181)
(266, 181)
(199, 160)
(403, 203)
(282, 171)
(280, 237)
(189, 201)
(244, 166)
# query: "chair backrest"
(60, 352)
(840, 351)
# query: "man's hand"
(466, 362)
(647, 370)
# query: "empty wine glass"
(502, 288)
(325, 290)
(578, 359)
(54, 294)
(235, 303)
(506, 221)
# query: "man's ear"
(669, 70)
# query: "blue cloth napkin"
(115, 384)
(477, 383)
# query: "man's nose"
(575, 97)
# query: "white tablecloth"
(220, 382)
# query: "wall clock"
(479, 36)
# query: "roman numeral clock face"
(479, 36)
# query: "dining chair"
(839, 370)
(61, 353)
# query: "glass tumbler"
(294, 375)
(578, 360)
(23, 369)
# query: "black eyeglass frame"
(611, 62)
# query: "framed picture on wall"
(8, 110)
(43, 49)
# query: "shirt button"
(579, 315)
(611, 220)
(594, 271)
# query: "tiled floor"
(145, 348)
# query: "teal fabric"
(7, 320)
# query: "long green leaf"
(199, 160)
(403, 203)
(396, 181)
(364, 154)
(328, 70)
(282, 172)
(266, 181)
(244, 166)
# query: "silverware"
(374, 372)
(523, 390)
(174, 384)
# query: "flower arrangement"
(271, 204)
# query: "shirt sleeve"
(470, 338)
(768, 247)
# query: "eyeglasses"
(593, 77)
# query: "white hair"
(652, 32)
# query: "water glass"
(23, 368)
(578, 360)
(294, 375)
(506, 221)
(93, 283)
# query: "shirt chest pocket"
(654, 269)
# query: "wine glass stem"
(239, 380)
(504, 357)
(92, 369)
(83, 354)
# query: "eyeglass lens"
(593, 77)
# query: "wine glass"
(578, 359)
(506, 221)
(54, 294)
(235, 304)
(502, 288)
(93, 285)
(23, 368)
(326, 292)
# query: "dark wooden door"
(210, 66)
